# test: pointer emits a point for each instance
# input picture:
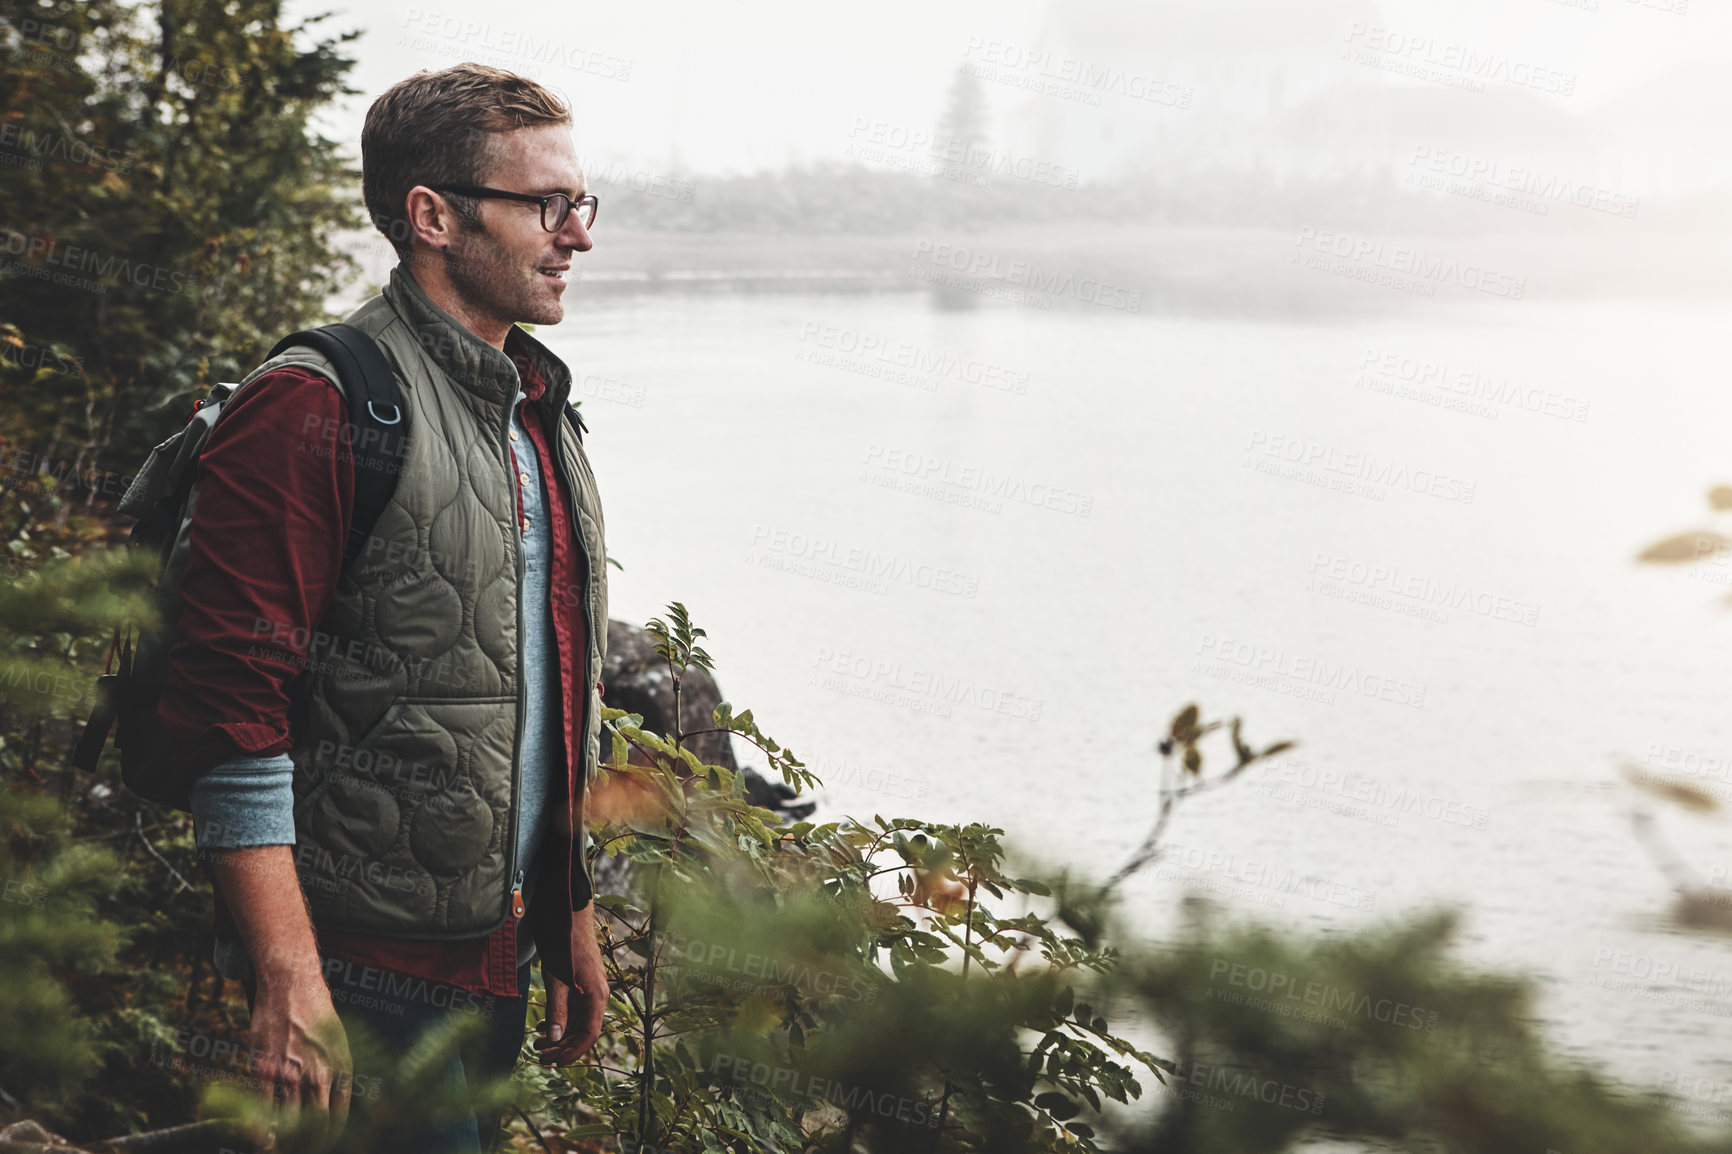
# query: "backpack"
(161, 497)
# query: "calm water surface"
(968, 563)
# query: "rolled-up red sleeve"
(265, 552)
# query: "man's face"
(512, 269)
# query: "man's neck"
(429, 274)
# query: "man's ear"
(432, 220)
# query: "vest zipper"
(514, 908)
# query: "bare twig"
(138, 821)
(534, 1129)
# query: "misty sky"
(742, 85)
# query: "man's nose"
(574, 236)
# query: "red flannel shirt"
(280, 519)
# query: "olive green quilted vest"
(406, 758)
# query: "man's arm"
(244, 821)
(303, 1055)
(264, 554)
(263, 559)
(574, 1013)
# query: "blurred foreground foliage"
(882, 985)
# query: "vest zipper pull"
(517, 896)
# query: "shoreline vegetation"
(1200, 269)
(1203, 242)
(1178, 267)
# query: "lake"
(968, 557)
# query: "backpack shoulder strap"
(577, 425)
(377, 420)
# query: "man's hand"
(297, 1040)
(574, 1013)
(302, 1054)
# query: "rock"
(637, 681)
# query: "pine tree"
(52, 927)
(962, 140)
(166, 212)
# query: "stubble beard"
(498, 283)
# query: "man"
(393, 757)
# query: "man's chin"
(546, 309)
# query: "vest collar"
(472, 363)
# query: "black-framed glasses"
(555, 207)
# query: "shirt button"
(523, 478)
(514, 434)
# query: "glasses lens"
(556, 207)
(554, 210)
